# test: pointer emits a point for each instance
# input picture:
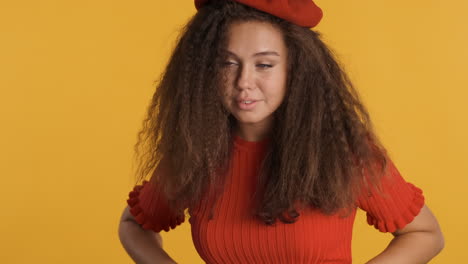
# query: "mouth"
(246, 101)
(246, 104)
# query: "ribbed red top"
(234, 235)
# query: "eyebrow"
(262, 53)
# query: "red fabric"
(150, 208)
(234, 235)
(304, 13)
(394, 207)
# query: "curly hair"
(323, 148)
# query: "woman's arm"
(143, 246)
(418, 242)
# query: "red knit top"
(234, 235)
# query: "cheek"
(229, 77)
(281, 84)
(226, 97)
(226, 92)
(275, 95)
(227, 84)
(276, 87)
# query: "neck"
(253, 132)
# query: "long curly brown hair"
(323, 147)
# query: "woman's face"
(255, 68)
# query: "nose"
(245, 79)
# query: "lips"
(241, 104)
(246, 99)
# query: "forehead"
(254, 36)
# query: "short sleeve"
(394, 205)
(150, 208)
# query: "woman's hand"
(143, 246)
(418, 242)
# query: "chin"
(250, 120)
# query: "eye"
(229, 63)
(264, 66)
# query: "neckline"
(251, 145)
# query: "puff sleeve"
(396, 203)
(150, 208)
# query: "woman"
(256, 130)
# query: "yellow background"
(77, 76)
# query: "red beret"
(304, 13)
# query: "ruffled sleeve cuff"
(150, 209)
(395, 205)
